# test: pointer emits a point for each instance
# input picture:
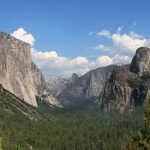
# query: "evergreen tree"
(142, 140)
(0, 143)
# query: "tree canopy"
(141, 141)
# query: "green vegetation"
(141, 141)
(0, 143)
(146, 77)
(134, 83)
(64, 129)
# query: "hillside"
(25, 127)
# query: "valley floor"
(64, 129)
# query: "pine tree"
(142, 140)
(0, 143)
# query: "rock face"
(41, 88)
(128, 88)
(115, 87)
(118, 90)
(56, 84)
(51, 100)
(141, 61)
(19, 75)
(86, 87)
(15, 68)
(39, 80)
(74, 77)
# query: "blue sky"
(78, 35)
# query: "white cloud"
(134, 35)
(123, 46)
(21, 34)
(104, 61)
(79, 71)
(80, 60)
(105, 33)
(121, 59)
(117, 59)
(120, 29)
(123, 43)
(126, 44)
(51, 63)
(147, 43)
(102, 48)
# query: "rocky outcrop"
(128, 88)
(1, 88)
(39, 80)
(141, 61)
(50, 100)
(86, 87)
(41, 88)
(74, 77)
(14, 106)
(117, 93)
(15, 68)
(56, 84)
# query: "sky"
(75, 36)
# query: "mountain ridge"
(21, 77)
(87, 86)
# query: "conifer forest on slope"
(64, 129)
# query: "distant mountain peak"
(74, 77)
(141, 61)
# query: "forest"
(65, 129)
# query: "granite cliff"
(56, 84)
(114, 87)
(88, 86)
(141, 61)
(41, 88)
(38, 80)
(120, 87)
(15, 68)
(127, 89)
(19, 75)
